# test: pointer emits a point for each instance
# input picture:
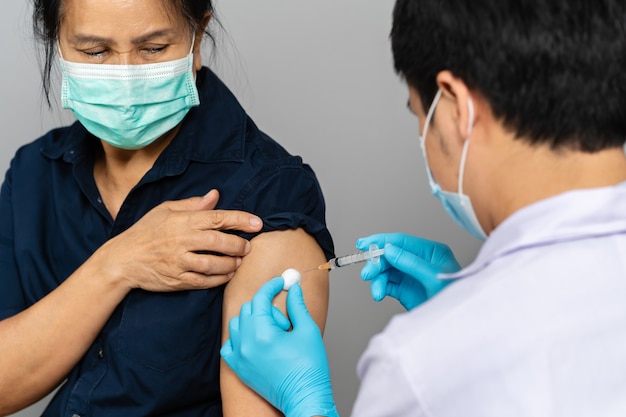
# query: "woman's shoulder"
(267, 146)
(223, 129)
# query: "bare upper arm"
(271, 254)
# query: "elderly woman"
(111, 289)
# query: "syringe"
(373, 254)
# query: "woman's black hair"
(553, 71)
(47, 16)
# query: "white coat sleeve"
(385, 389)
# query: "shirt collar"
(213, 132)
(570, 216)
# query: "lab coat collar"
(573, 215)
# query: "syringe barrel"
(340, 261)
(349, 259)
(333, 263)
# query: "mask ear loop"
(193, 42)
(470, 125)
(470, 122)
(429, 117)
(191, 54)
(62, 60)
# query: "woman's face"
(126, 32)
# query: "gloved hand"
(287, 368)
(408, 269)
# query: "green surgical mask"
(129, 106)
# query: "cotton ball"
(291, 277)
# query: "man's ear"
(456, 90)
(197, 54)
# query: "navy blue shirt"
(159, 352)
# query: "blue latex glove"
(408, 269)
(287, 368)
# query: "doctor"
(522, 112)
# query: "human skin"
(122, 23)
(44, 342)
(518, 174)
(271, 254)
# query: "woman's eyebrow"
(162, 33)
(93, 39)
(90, 39)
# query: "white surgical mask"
(457, 205)
(130, 106)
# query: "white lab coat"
(536, 326)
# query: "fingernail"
(231, 275)
(246, 249)
(255, 222)
(238, 261)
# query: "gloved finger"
(262, 300)
(429, 250)
(372, 269)
(394, 290)
(364, 243)
(246, 309)
(409, 296)
(378, 287)
(296, 307)
(280, 319)
(416, 267)
(436, 253)
(233, 332)
(380, 240)
(443, 256)
(378, 274)
(226, 351)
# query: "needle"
(373, 254)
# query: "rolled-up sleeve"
(288, 196)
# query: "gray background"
(318, 77)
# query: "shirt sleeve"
(287, 195)
(385, 389)
(12, 299)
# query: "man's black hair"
(554, 71)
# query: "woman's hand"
(161, 252)
(179, 245)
